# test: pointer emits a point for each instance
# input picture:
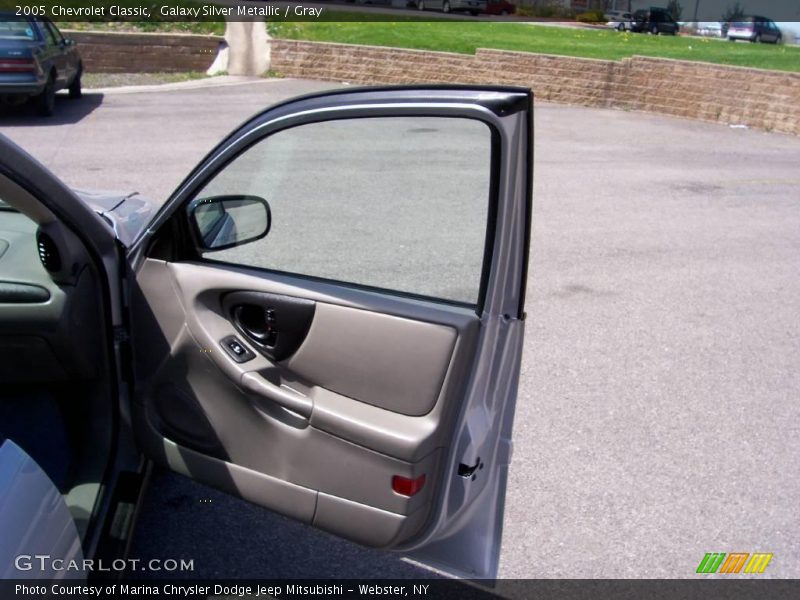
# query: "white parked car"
(619, 20)
(711, 29)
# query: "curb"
(195, 84)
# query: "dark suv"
(654, 21)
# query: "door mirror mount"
(221, 222)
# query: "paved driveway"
(658, 414)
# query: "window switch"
(236, 349)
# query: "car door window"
(54, 32)
(49, 35)
(398, 203)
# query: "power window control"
(236, 349)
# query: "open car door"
(327, 316)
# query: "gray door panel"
(346, 351)
(199, 415)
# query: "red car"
(499, 7)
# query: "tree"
(734, 12)
(675, 9)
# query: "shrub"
(591, 16)
(546, 11)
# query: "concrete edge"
(194, 84)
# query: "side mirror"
(221, 222)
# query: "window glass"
(53, 32)
(50, 38)
(16, 28)
(397, 203)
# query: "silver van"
(473, 7)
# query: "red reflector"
(407, 487)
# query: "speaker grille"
(48, 252)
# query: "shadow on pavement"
(67, 112)
(229, 538)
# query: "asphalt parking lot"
(658, 414)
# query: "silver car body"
(472, 6)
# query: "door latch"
(469, 471)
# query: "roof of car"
(10, 16)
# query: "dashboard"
(48, 292)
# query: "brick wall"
(759, 98)
(144, 52)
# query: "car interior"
(55, 387)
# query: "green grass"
(466, 36)
(198, 27)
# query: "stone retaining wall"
(144, 52)
(758, 98)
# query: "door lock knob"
(272, 327)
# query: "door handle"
(276, 325)
(259, 324)
(296, 402)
